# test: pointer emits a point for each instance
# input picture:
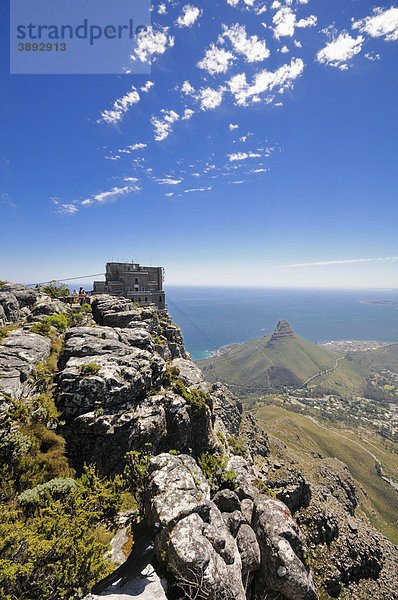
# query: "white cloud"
(242, 156)
(372, 57)
(151, 42)
(164, 125)
(147, 86)
(120, 107)
(232, 126)
(310, 21)
(7, 200)
(168, 181)
(265, 81)
(216, 60)
(251, 47)
(337, 52)
(236, 2)
(169, 194)
(110, 195)
(188, 113)
(138, 146)
(131, 179)
(284, 50)
(187, 88)
(210, 98)
(205, 189)
(260, 11)
(65, 208)
(189, 16)
(131, 149)
(383, 23)
(162, 9)
(275, 5)
(285, 21)
(343, 262)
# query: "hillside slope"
(274, 361)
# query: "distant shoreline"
(333, 345)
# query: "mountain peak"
(283, 330)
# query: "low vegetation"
(56, 289)
(89, 369)
(214, 468)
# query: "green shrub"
(89, 369)
(135, 474)
(171, 375)
(197, 399)
(263, 488)
(55, 552)
(214, 468)
(4, 331)
(236, 446)
(55, 488)
(56, 289)
(42, 377)
(86, 308)
(41, 329)
(2, 283)
(13, 445)
(60, 322)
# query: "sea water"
(213, 317)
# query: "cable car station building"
(143, 285)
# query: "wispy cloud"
(120, 106)
(163, 126)
(343, 262)
(6, 200)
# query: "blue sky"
(264, 140)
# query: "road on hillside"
(322, 373)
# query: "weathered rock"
(247, 509)
(227, 501)
(125, 374)
(200, 551)
(10, 306)
(45, 308)
(290, 486)
(3, 317)
(249, 549)
(19, 354)
(25, 296)
(189, 373)
(254, 436)
(227, 408)
(233, 521)
(284, 555)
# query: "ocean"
(213, 317)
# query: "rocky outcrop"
(283, 330)
(214, 546)
(20, 353)
(10, 307)
(195, 545)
